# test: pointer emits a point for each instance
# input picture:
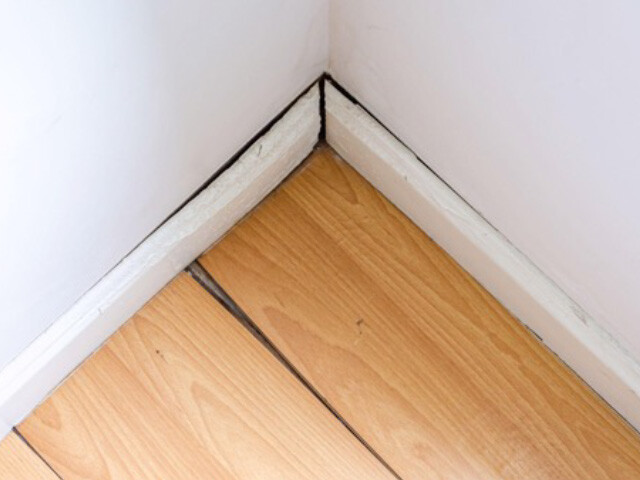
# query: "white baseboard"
(485, 253)
(28, 379)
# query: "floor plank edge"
(36, 452)
(208, 283)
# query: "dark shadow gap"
(240, 152)
(200, 275)
(328, 78)
(42, 459)
(225, 166)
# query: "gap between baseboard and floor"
(206, 281)
(325, 111)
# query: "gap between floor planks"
(19, 462)
(183, 390)
(208, 283)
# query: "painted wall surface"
(112, 114)
(530, 111)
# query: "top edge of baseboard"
(522, 287)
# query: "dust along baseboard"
(47, 361)
(485, 253)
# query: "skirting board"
(484, 252)
(26, 381)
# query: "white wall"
(529, 110)
(112, 114)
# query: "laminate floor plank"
(184, 391)
(427, 366)
(19, 462)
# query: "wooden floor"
(409, 368)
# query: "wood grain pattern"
(19, 462)
(184, 391)
(410, 350)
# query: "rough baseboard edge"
(485, 253)
(30, 377)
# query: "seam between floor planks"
(20, 461)
(96, 412)
(217, 292)
(35, 452)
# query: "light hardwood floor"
(409, 349)
(19, 462)
(184, 391)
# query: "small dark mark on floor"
(538, 337)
